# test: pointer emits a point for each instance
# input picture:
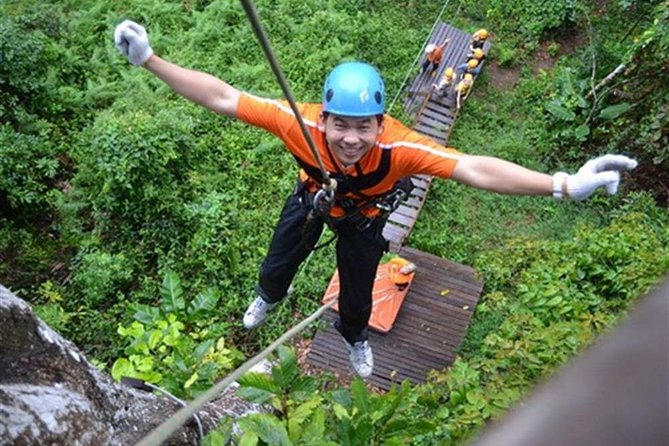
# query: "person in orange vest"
(463, 88)
(445, 82)
(367, 152)
(433, 55)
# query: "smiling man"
(370, 155)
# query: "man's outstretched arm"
(505, 177)
(133, 42)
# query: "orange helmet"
(478, 54)
(481, 34)
(472, 63)
(396, 275)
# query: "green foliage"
(27, 165)
(100, 277)
(549, 299)
(300, 414)
(108, 180)
(174, 346)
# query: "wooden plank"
(401, 220)
(445, 118)
(429, 131)
(438, 123)
(407, 211)
(428, 330)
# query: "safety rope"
(252, 15)
(418, 56)
(161, 433)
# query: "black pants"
(358, 255)
(427, 63)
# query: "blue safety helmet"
(354, 89)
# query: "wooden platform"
(429, 328)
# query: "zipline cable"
(420, 52)
(252, 15)
(162, 432)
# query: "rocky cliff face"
(51, 394)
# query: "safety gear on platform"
(132, 41)
(469, 77)
(602, 171)
(449, 72)
(354, 89)
(473, 63)
(431, 47)
(478, 54)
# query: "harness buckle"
(323, 201)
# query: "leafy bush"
(176, 346)
(303, 415)
(554, 298)
(99, 277)
(27, 164)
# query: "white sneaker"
(257, 312)
(362, 360)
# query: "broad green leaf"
(286, 371)
(581, 132)
(396, 427)
(194, 377)
(554, 301)
(215, 438)
(559, 111)
(122, 367)
(388, 408)
(343, 397)
(360, 395)
(304, 410)
(340, 412)
(614, 111)
(248, 439)
(363, 428)
(155, 336)
(267, 427)
(303, 385)
(254, 395)
(259, 381)
(314, 431)
(203, 303)
(172, 294)
(202, 350)
(145, 314)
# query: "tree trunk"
(50, 394)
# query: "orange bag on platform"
(391, 286)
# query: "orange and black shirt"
(436, 55)
(399, 151)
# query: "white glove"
(602, 171)
(133, 42)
